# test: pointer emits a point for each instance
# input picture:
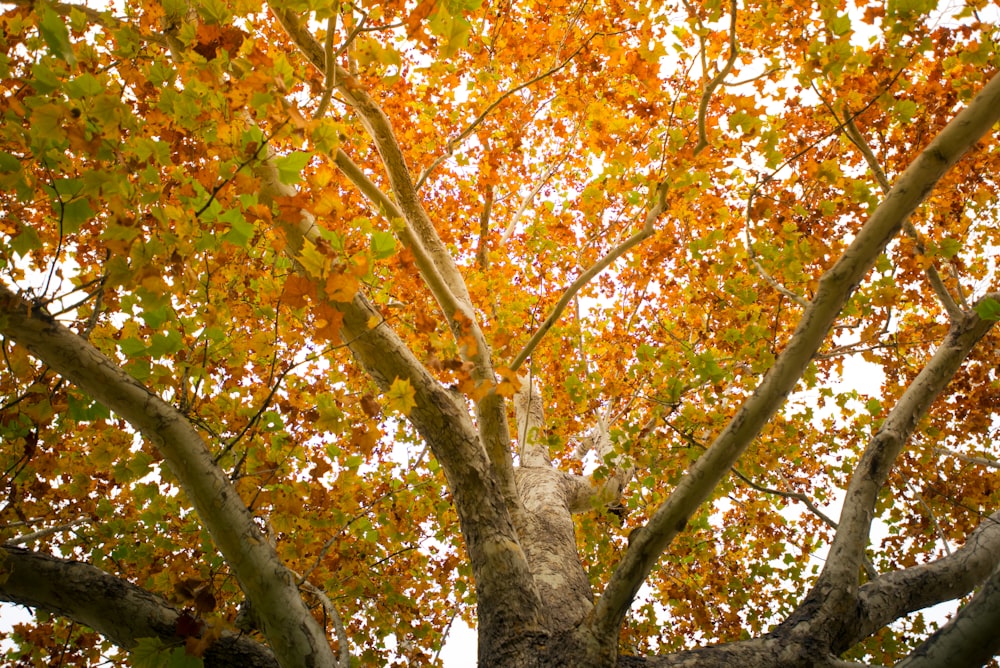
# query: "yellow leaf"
(401, 396)
(312, 259)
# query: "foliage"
(135, 149)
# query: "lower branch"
(892, 595)
(835, 288)
(294, 635)
(118, 610)
(970, 639)
(839, 578)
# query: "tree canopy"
(326, 323)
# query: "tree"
(325, 323)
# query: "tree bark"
(120, 611)
(294, 635)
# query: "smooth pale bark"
(835, 288)
(498, 561)
(120, 611)
(436, 265)
(970, 639)
(123, 612)
(295, 636)
(508, 603)
(892, 595)
(835, 593)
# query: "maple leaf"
(401, 396)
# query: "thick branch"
(498, 562)
(295, 636)
(455, 301)
(443, 421)
(892, 595)
(835, 287)
(118, 610)
(839, 580)
(530, 422)
(970, 639)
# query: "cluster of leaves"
(131, 151)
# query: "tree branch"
(893, 595)
(838, 583)
(526, 200)
(118, 610)
(980, 461)
(706, 95)
(835, 288)
(295, 636)
(854, 134)
(970, 639)
(462, 136)
(456, 303)
(659, 205)
(498, 562)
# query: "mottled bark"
(834, 289)
(120, 611)
(294, 635)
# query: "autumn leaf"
(55, 33)
(401, 396)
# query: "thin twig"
(48, 531)
(981, 461)
(453, 144)
(526, 200)
(647, 231)
(706, 96)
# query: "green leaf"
(44, 80)
(840, 25)
(75, 213)
(906, 110)
(949, 247)
(85, 85)
(149, 653)
(132, 347)
(83, 410)
(312, 259)
(9, 163)
(401, 396)
(290, 166)
(165, 344)
(988, 309)
(178, 658)
(454, 28)
(383, 244)
(25, 242)
(56, 35)
(214, 12)
(240, 231)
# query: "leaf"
(75, 213)
(988, 308)
(240, 230)
(55, 34)
(313, 260)
(26, 241)
(401, 396)
(85, 85)
(383, 244)
(290, 166)
(149, 653)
